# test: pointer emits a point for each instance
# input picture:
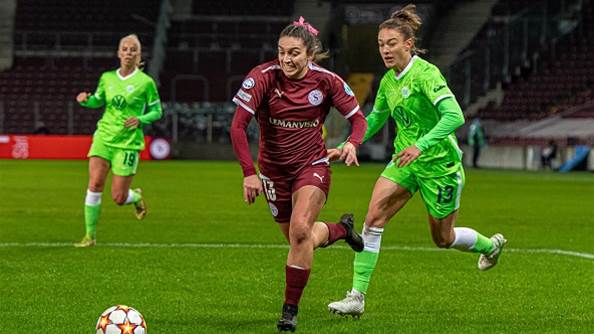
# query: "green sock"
(91, 218)
(483, 244)
(363, 268)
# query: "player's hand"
(407, 156)
(333, 154)
(349, 154)
(82, 97)
(132, 122)
(252, 187)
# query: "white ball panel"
(112, 329)
(134, 317)
(139, 330)
(109, 310)
(118, 317)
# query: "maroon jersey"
(291, 113)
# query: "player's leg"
(98, 170)
(125, 164)
(325, 234)
(387, 199)
(307, 203)
(442, 199)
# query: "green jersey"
(411, 98)
(124, 97)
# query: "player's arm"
(435, 88)
(96, 100)
(252, 185)
(377, 118)
(247, 99)
(451, 119)
(153, 103)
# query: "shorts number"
(269, 190)
(445, 194)
(129, 159)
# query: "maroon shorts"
(279, 188)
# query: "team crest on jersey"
(130, 88)
(405, 92)
(119, 102)
(273, 209)
(315, 97)
(248, 83)
(348, 90)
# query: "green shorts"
(441, 194)
(123, 162)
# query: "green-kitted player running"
(426, 159)
(131, 100)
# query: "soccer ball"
(121, 319)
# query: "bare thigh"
(386, 200)
(98, 170)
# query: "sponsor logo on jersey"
(405, 92)
(130, 88)
(248, 83)
(119, 102)
(273, 209)
(315, 97)
(278, 92)
(438, 88)
(348, 90)
(319, 177)
(244, 96)
(293, 124)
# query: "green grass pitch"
(205, 262)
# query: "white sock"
(465, 239)
(372, 238)
(93, 198)
(130, 197)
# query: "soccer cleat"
(86, 242)
(288, 320)
(140, 206)
(353, 304)
(488, 261)
(352, 238)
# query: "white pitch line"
(582, 255)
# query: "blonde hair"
(134, 38)
(407, 22)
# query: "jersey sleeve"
(343, 97)
(380, 113)
(153, 104)
(434, 86)
(97, 100)
(252, 91)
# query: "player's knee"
(443, 242)
(299, 234)
(119, 198)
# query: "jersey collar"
(126, 77)
(407, 68)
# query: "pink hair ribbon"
(306, 25)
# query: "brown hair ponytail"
(407, 22)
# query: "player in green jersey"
(131, 100)
(426, 159)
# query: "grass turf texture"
(59, 289)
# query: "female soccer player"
(426, 158)
(131, 101)
(290, 98)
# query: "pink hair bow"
(306, 25)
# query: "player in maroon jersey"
(290, 98)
